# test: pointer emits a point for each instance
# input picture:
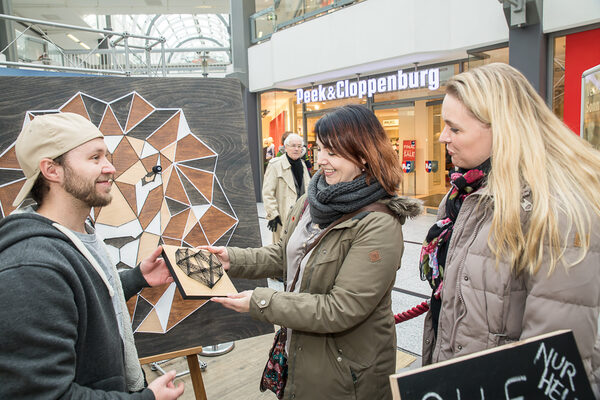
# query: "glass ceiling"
(180, 31)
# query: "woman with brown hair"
(338, 257)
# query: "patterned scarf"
(330, 202)
(435, 246)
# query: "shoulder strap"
(376, 206)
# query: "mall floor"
(235, 375)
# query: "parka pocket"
(352, 373)
(498, 339)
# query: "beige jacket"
(484, 306)
(279, 190)
(344, 345)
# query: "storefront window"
(591, 107)
(399, 125)
(278, 115)
(558, 77)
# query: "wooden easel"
(192, 359)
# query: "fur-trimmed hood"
(404, 206)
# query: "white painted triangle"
(129, 253)
(183, 130)
(142, 191)
(112, 141)
(163, 306)
(148, 150)
(200, 210)
(140, 196)
(154, 226)
(131, 228)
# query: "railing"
(117, 53)
(285, 13)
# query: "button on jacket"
(484, 306)
(344, 344)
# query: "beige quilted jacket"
(484, 306)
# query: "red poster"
(409, 150)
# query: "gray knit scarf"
(330, 202)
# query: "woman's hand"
(239, 302)
(220, 252)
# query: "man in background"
(286, 179)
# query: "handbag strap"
(376, 206)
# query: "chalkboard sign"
(544, 367)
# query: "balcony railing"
(117, 53)
(285, 13)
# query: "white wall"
(374, 36)
(566, 14)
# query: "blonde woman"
(516, 249)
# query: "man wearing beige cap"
(65, 328)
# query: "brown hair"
(355, 133)
(40, 187)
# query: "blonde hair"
(532, 149)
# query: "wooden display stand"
(192, 358)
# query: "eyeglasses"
(295, 146)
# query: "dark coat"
(60, 338)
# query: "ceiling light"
(85, 46)
(73, 38)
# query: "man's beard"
(84, 191)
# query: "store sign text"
(429, 78)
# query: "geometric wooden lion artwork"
(195, 130)
(165, 189)
(159, 309)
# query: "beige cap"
(49, 136)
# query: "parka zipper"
(354, 381)
(461, 267)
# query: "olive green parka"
(343, 344)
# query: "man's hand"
(239, 302)
(220, 252)
(155, 270)
(164, 389)
(272, 224)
